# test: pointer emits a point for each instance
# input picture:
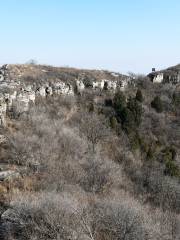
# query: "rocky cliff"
(170, 75)
(21, 85)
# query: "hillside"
(175, 68)
(46, 73)
(88, 155)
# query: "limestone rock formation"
(21, 85)
(170, 75)
(16, 95)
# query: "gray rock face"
(62, 88)
(22, 102)
(168, 76)
(41, 91)
(105, 84)
(80, 85)
(17, 94)
(1, 77)
(3, 72)
(3, 139)
(110, 85)
(8, 175)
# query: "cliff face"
(170, 75)
(21, 85)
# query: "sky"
(117, 35)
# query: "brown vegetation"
(82, 178)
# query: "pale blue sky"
(121, 35)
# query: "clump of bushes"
(169, 157)
(113, 122)
(128, 112)
(119, 102)
(176, 99)
(108, 102)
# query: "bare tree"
(96, 174)
(94, 127)
(119, 221)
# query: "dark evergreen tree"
(91, 107)
(157, 104)
(136, 110)
(119, 102)
(176, 99)
(139, 96)
(113, 122)
(127, 119)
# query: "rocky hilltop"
(20, 85)
(169, 75)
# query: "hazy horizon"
(114, 35)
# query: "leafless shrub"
(94, 128)
(96, 174)
(45, 216)
(119, 221)
(51, 216)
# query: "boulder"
(8, 175)
(63, 88)
(80, 85)
(98, 84)
(41, 91)
(70, 90)
(110, 85)
(32, 96)
(3, 139)
(1, 77)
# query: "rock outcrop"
(21, 85)
(168, 76)
(8, 175)
(17, 95)
(105, 84)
